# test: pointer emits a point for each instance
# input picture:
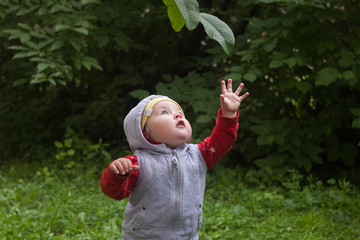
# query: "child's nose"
(178, 115)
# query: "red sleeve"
(116, 186)
(222, 138)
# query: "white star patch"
(212, 149)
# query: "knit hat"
(149, 107)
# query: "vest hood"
(133, 131)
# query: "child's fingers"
(223, 87)
(123, 166)
(113, 168)
(245, 95)
(239, 89)
(229, 85)
(135, 167)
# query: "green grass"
(37, 203)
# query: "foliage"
(74, 153)
(37, 205)
(300, 59)
(187, 13)
(307, 210)
(89, 61)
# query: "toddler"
(165, 178)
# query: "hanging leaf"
(219, 31)
(189, 10)
(174, 14)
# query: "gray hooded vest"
(166, 202)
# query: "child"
(165, 178)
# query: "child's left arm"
(224, 134)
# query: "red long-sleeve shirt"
(213, 148)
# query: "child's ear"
(146, 130)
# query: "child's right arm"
(120, 177)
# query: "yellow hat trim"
(149, 107)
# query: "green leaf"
(89, 62)
(61, 27)
(190, 12)
(269, 46)
(42, 66)
(355, 111)
(356, 123)
(56, 45)
(20, 82)
(291, 62)
(86, 2)
(37, 81)
(19, 48)
(259, 129)
(271, 161)
(265, 140)
(83, 31)
(250, 77)
(52, 81)
(219, 31)
(103, 40)
(76, 43)
(269, 1)
(70, 152)
(348, 75)
(307, 164)
(237, 76)
(174, 14)
(121, 41)
(347, 59)
(25, 54)
(276, 63)
(58, 144)
(203, 119)
(77, 63)
(304, 87)
(331, 181)
(313, 153)
(68, 142)
(139, 93)
(327, 76)
(247, 55)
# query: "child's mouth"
(181, 123)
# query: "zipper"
(177, 195)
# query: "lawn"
(39, 203)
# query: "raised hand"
(229, 100)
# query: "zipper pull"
(175, 163)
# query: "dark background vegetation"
(71, 70)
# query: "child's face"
(167, 124)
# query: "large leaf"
(189, 10)
(219, 31)
(327, 75)
(174, 14)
